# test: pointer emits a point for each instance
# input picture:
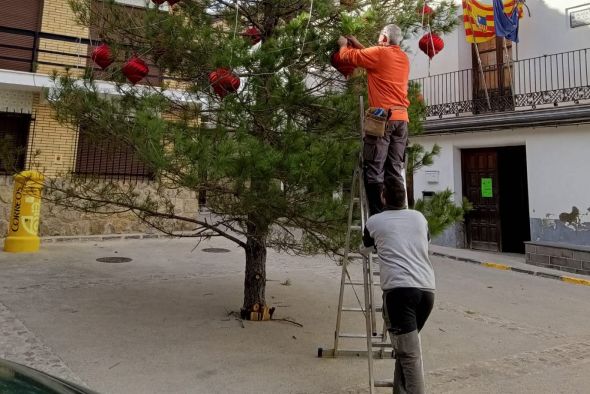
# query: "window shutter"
(19, 24)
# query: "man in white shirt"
(401, 238)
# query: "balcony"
(549, 89)
(43, 53)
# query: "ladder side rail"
(345, 260)
(369, 328)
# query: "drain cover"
(216, 250)
(114, 260)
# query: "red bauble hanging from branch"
(425, 10)
(224, 82)
(431, 44)
(344, 67)
(253, 34)
(102, 56)
(172, 2)
(135, 70)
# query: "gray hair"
(393, 34)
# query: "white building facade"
(515, 135)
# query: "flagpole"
(483, 78)
(509, 60)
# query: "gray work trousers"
(384, 156)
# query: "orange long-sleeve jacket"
(388, 71)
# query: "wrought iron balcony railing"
(42, 52)
(548, 80)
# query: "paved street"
(160, 324)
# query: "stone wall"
(57, 221)
(564, 257)
(453, 236)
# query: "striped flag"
(506, 23)
(478, 17)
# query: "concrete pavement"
(160, 324)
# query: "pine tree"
(269, 157)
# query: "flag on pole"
(479, 20)
(506, 23)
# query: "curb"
(98, 238)
(505, 267)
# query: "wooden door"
(495, 74)
(480, 186)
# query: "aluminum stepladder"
(377, 343)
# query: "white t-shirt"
(401, 239)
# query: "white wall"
(558, 165)
(547, 31)
(16, 101)
(559, 170)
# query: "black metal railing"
(24, 50)
(108, 158)
(521, 84)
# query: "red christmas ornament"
(172, 2)
(431, 44)
(426, 10)
(342, 66)
(224, 82)
(253, 34)
(159, 2)
(135, 70)
(102, 56)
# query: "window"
(108, 158)
(14, 132)
(142, 4)
(19, 25)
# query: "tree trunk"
(255, 281)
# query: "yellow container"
(23, 227)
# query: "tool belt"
(375, 125)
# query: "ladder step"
(358, 256)
(381, 344)
(360, 284)
(346, 335)
(383, 383)
(356, 227)
(331, 353)
(346, 309)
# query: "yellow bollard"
(23, 227)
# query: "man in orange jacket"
(388, 71)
